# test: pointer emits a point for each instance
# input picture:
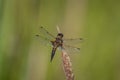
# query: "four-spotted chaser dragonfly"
(58, 41)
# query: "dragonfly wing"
(45, 33)
(44, 40)
(72, 41)
(71, 49)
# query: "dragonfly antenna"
(58, 29)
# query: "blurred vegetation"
(22, 57)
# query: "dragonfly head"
(60, 35)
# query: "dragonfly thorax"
(58, 41)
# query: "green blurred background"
(23, 58)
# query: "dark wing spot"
(37, 35)
(78, 48)
(81, 38)
(41, 27)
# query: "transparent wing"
(71, 49)
(44, 40)
(72, 41)
(45, 33)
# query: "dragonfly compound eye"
(60, 34)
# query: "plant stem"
(67, 65)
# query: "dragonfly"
(58, 41)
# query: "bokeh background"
(22, 57)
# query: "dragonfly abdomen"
(53, 53)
